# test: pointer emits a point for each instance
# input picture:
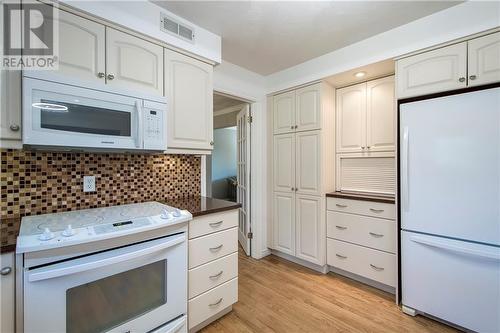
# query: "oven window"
(106, 303)
(85, 119)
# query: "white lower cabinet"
(309, 226)
(362, 239)
(7, 284)
(213, 267)
(284, 222)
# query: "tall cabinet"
(303, 164)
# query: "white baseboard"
(317, 268)
(265, 253)
(364, 280)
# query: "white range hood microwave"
(69, 116)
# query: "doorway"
(228, 168)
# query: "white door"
(284, 222)
(81, 48)
(310, 230)
(10, 105)
(284, 113)
(434, 71)
(189, 91)
(133, 63)
(243, 176)
(484, 59)
(284, 162)
(308, 162)
(380, 114)
(351, 118)
(7, 284)
(450, 166)
(308, 108)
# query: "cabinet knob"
(462, 79)
(5, 271)
(472, 77)
(101, 75)
(111, 76)
(211, 143)
(14, 127)
(292, 127)
(296, 126)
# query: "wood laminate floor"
(276, 295)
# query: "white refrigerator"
(449, 167)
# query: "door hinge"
(250, 119)
(250, 235)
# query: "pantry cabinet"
(284, 222)
(133, 63)
(484, 59)
(307, 163)
(284, 113)
(284, 163)
(310, 227)
(189, 92)
(365, 117)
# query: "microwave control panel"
(154, 125)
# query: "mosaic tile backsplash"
(34, 182)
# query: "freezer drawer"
(453, 280)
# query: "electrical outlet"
(88, 183)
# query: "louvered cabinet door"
(484, 59)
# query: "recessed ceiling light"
(360, 74)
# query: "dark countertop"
(202, 205)
(195, 205)
(363, 197)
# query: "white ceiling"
(269, 36)
(223, 102)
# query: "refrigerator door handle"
(404, 171)
(457, 249)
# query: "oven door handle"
(62, 271)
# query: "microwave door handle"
(138, 106)
(78, 268)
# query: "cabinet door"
(133, 63)
(380, 114)
(351, 118)
(10, 107)
(308, 162)
(484, 59)
(189, 91)
(81, 48)
(7, 284)
(284, 222)
(310, 235)
(284, 162)
(434, 71)
(308, 108)
(284, 113)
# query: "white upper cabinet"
(10, 108)
(484, 59)
(133, 63)
(284, 113)
(434, 71)
(189, 91)
(81, 48)
(284, 162)
(380, 114)
(284, 222)
(308, 162)
(310, 229)
(351, 118)
(308, 108)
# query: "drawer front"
(380, 234)
(214, 246)
(372, 264)
(368, 208)
(212, 274)
(212, 302)
(204, 225)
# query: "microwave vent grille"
(175, 28)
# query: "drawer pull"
(217, 248)
(216, 303)
(376, 210)
(376, 235)
(216, 276)
(215, 224)
(377, 268)
(340, 227)
(340, 256)
(341, 206)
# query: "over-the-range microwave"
(67, 116)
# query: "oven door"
(130, 289)
(57, 114)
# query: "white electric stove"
(113, 269)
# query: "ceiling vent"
(175, 28)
